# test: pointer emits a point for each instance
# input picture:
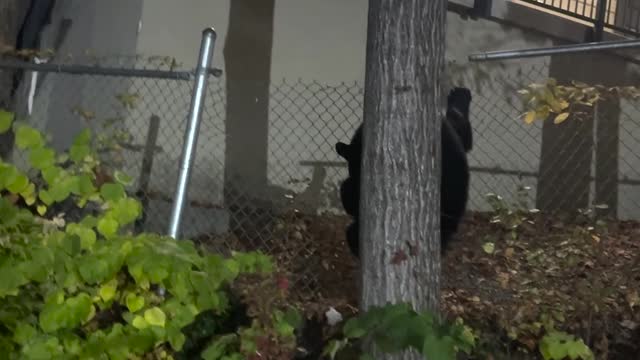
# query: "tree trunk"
(401, 155)
(12, 15)
(247, 56)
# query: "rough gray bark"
(247, 56)
(403, 109)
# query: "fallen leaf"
(561, 118)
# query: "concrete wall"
(313, 41)
(100, 27)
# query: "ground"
(505, 276)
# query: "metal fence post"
(193, 127)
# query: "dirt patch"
(506, 281)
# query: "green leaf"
(139, 322)
(83, 137)
(353, 329)
(122, 178)
(134, 302)
(29, 194)
(125, 211)
(219, 347)
(155, 316)
(74, 311)
(51, 174)
(442, 348)
(112, 192)
(108, 291)
(489, 247)
(27, 137)
(107, 227)
(17, 184)
(24, 333)
(85, 185)
(77, 153)
(60, 190)
(93, 269)
(176, 338)
(6, 119)
(42, 158)
(45, 197)
(43, 347)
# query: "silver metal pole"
(562, 49)
(193, 127)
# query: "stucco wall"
(313, 41)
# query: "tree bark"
(247, 56)
(400, 193)
(12, 16)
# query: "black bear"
(454, 185)
(458, 102)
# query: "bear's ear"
(343, 150)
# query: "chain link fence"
(297, 216)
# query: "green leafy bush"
(397, 327)
(558, 345)
(86, 289)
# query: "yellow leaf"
(530, 117)
(41, 209)
(543, 112)
(579, 84)
(561, 118)
(563, 104)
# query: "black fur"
(454, 186)
(458, 102)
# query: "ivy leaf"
(29, 194)
(112, 192)
(6, 119)
(42, 158)
(126, 210)
(439, 348)
(24, 333)
(140, 323)
(155, 316)
(83, 137)
(108, 290)
(45, 197)
(176, 339)
(134, 302)
(77, 153)
(107, 227)
(85, 185)
(219, 347)
(27, 137)
(122, 178)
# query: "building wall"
(313, 41)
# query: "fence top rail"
(102, 71)
(554, 50)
